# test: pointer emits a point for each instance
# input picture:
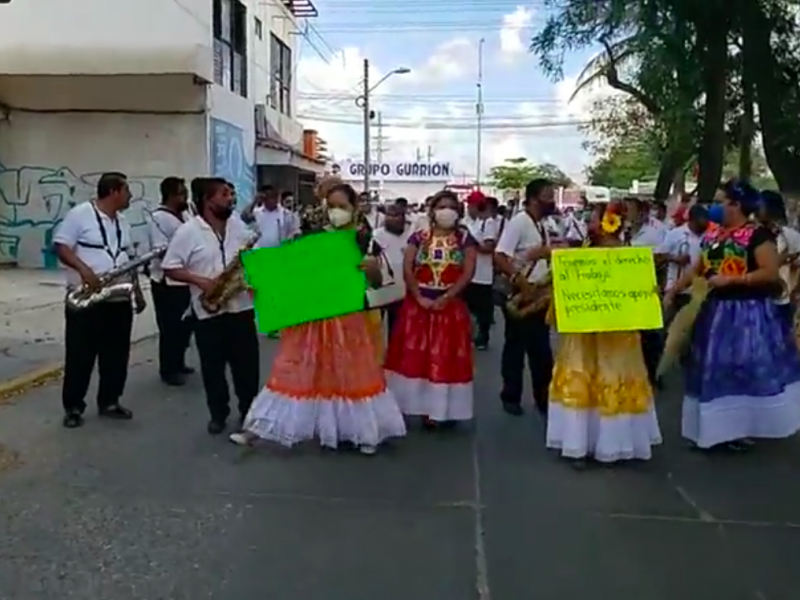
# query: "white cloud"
(515, 25)
(341, 78)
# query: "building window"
(259, 28)
(280, 60)
(230, 45)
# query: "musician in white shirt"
(369, 208)
(681, 249)
(93, 239)
(524, 248)
(393, 240)
(478, 295)
(200, 251)
(274, 222)
(170, 298)
(772, 214)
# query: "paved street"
(157, 510)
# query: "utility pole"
(367, 141)
(430, 154)
(479, 116)
(379, 139)
(419, 155)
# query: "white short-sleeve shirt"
(520, 235)
(100, 241)
(197, 248)
(483, 230)
(275, 226)
(162, 227)
(788, 242)
(680, 241)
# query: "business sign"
(399, 171)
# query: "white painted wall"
(50, 162)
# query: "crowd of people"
(437, 276)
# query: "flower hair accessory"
(611, 221)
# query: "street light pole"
(367, 140)
(479, 115)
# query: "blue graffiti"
(229, 160)
(34, 200)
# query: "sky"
(438, 40)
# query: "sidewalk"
(32, 323)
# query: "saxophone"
(230, 283)
(119, 283)
(529, 297)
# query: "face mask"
(716, 213)
(446, 217)
(339, 217)
(222, 212)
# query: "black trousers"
(170, 303)
(390, 313)
(102, 334)
(480, 301)
(228, 340)
(528, 337)
(652, 341)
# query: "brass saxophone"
(529, 297)
(230, 283)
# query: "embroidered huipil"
(439, 262)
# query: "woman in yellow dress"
(601, 403)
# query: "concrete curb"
(37, 377)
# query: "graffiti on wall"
(229, 159)
(34, 200)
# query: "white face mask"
(339, 217)
(446, 217)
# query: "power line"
(452, 125)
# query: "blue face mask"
(715, 213)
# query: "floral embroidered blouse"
(732, 253)
(439, 262)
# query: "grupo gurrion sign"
(399, 171)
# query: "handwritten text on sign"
(605, 289)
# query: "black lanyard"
(169, 212)
(220, 242)
(114, 255)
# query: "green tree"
(553, 173)
(515, 173)
(621, 167)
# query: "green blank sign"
(312, 278)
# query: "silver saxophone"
(120, 282)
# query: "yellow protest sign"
(605, 289)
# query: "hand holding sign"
(605, 289)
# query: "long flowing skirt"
(743, 374)
(429, 361)
(326, 383)
(601, 403)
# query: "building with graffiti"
(187, 89)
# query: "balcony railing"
(301, 8)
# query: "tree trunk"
(671, 165)
(714, 36)
(778, 99)
(748, 128)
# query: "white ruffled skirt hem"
(437, 401)
(733, 418)
(288, 421)
(588, 434)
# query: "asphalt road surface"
(155, 509)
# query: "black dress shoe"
(120, 413)
(73, 421)
(187, 370)
(512, 408)
(216, 427)
(176, 380)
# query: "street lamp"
(363, 103)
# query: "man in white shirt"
(478, 295)
(170, 298)
(646, 233)
(524, 250)
(393, 240)
(370, 211)
(93, 239)
(200, 251)
(680, 250)
(772, 214)
(275, 223)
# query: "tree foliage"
(515, 173)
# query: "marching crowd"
(436, 277)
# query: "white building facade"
(151, 88)
(413, 180)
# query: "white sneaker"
(241, 438)
(368, 450)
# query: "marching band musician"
(170, 298)
(274, 222)
(200, 251)
(93, 239)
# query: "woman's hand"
(669, 300)
(720, 281)
(425, 303)
(441, 302)
(371, 268)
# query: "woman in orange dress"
(326, 381)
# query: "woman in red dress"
(429, 359)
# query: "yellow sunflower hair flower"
(611, 222)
